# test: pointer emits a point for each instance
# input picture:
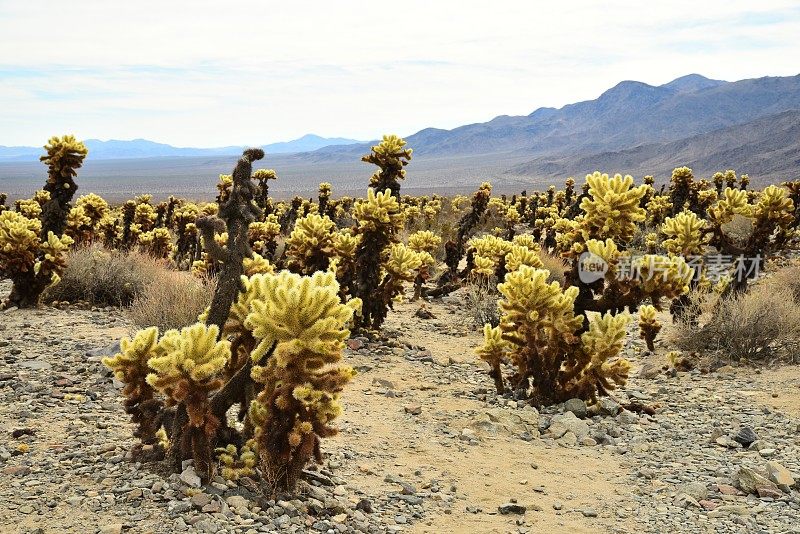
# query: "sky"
(208, 74)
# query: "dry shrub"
(482, 302)
(761, 325)
(555, 265)
(789, 278)
(739, 229)
(172, 299)
(104, 277)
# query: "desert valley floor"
(425, 444)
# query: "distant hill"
(749, 125)
(142, 148)
(752, 126)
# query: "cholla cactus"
(649, 327)
(130, 366)
(32, 264)
(3, 198)
(262, 177)
(303, 324)
(379, 221)
(613, 209)
(64, 155)
(540, 332)
(426, 243)
(187, 368)
(237, 464)
(157, 243)
(324, 197)
(455, 249)
(310, 246)
(29, 208)
(263, 236)
(684, 232)
(494, 351)
(391, 157)
(658, 207)
(224, 187)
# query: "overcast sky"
(205, 73)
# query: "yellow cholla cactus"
(310, 245)
(774, 206)
(402, 262)
(424, 241)
(189, 362)
(530, 302)
(521, 255)
(345, 244)
(257, 265)
(662, 276)
(19, 241)
(494, 351)
(299, 313)
(603, 343)
(685, 234)
(130, 364)
(303, 322)
(94, 206)
(612, 207)
(29, 208)
(526, 240)
(484, 266)
(734, 202)
(649, 327)
(237, 464)
(379, 210)
(157, 242)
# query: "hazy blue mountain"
(142, 148)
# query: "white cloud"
(206, 73)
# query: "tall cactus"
(64, 155)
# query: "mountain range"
(752, 126)
(142, 148)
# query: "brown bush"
(555, 265)
(172, 299)
(482, 302)
(789, 278)
(104, 277)
(761, 325)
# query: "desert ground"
(425, 444)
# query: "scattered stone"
(576, 406)
(413, 409)
(114, 528)
(511, 508)
(190, 477)
(781, 476)
(745, 436)
(751, 482)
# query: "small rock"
(511, 508)
(745, 436)
(576, 406)
(413, 409)
(589, 512)
(708, 505)
(780, 476)
(751, 482)
(114, 528)
(236, 501)
(696, 490)
(190, 477)
(365, 506)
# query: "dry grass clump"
(172, 299)
(555, 265)
(104, 277)
(761, 325)
(789, 277)
(482, 302)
